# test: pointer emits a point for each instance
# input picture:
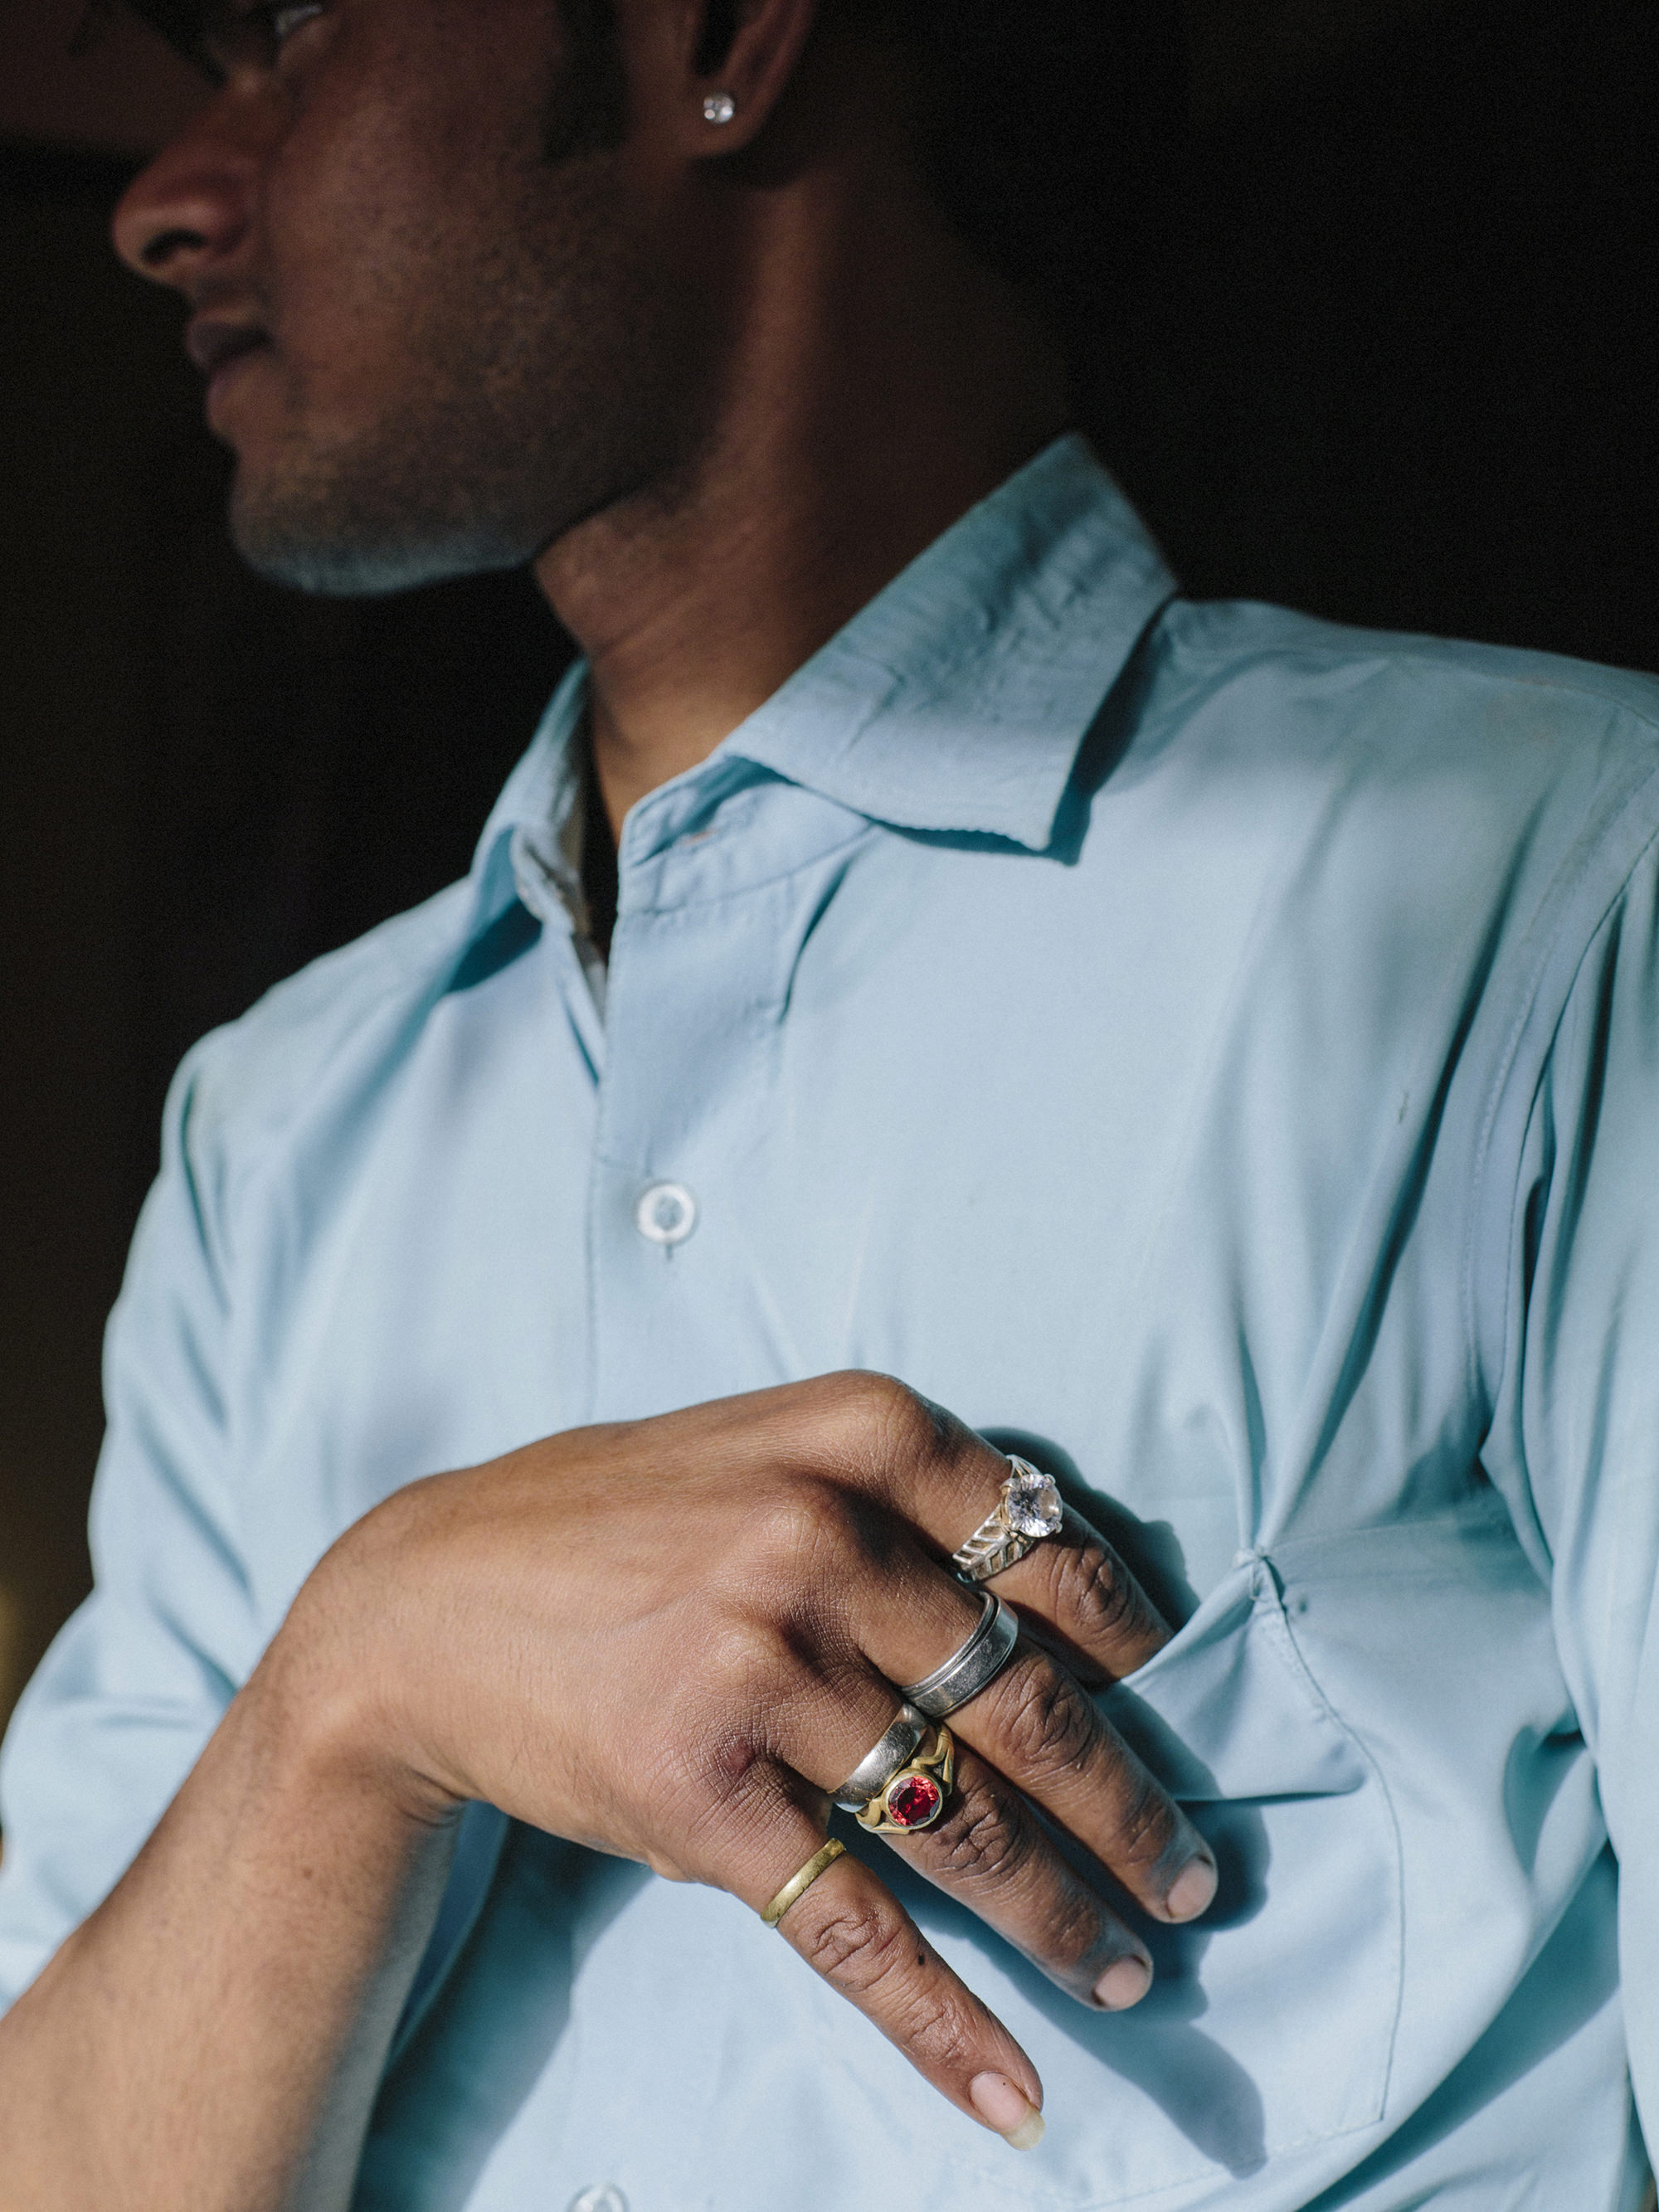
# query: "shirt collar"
(957, 700)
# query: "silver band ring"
(1027, 1509)
(883, 1760)
(973, 1667)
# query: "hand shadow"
(1202, 2089)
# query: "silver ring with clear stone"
(1027, 1510)
(883, 1760)
(971, 1668)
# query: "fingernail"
(1193, 1891)
(1124, 1982)
(1007, 2110)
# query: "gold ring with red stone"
(915, 1797)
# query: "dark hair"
(1048, 126)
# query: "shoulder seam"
(1342, 643)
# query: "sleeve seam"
(1526, 1010)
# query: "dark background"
(1399, 367)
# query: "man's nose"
(184, 217)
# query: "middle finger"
(986, 1847)
(1039, 1729)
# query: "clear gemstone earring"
(719, 108)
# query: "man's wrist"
(333, 1709)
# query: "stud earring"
(719, 108)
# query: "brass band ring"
(798, 1884)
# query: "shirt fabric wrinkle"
(1242, 1102)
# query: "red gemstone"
(914, 1802)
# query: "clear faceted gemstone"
(1033, 1505)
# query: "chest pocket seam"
(1268, 1595)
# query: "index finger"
(1077, 1595)
(1073, 1587)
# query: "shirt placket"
(712, 916)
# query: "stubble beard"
(542, 376)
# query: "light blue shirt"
(1219, 1047)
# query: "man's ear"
(733, 59)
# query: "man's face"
(432, 348)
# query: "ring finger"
(988, 1851)
(1040, 1731)
(986, 1848)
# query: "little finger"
(851, 1930)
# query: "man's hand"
(672, 1639)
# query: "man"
(1212, 1055)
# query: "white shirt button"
(603, 2197)
(666, 1214)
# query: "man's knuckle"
(859, 1394)
(905, 1427)
(1071, 1929)
(799, 1525)
(1046, 1720)
(1094, 1586)
(1144, 1824)
(936, 2030)
(855, 1945)
(739, 1654)
(722, 1779)
(748, 1668)
(732, 1763)
(887, 1425)
(981, 1838)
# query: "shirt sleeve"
(133, 1687)
(1576, 1443)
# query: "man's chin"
(334, 559)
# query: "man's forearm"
(511, 1633)
(214, 2035)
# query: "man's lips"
(213, 343)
